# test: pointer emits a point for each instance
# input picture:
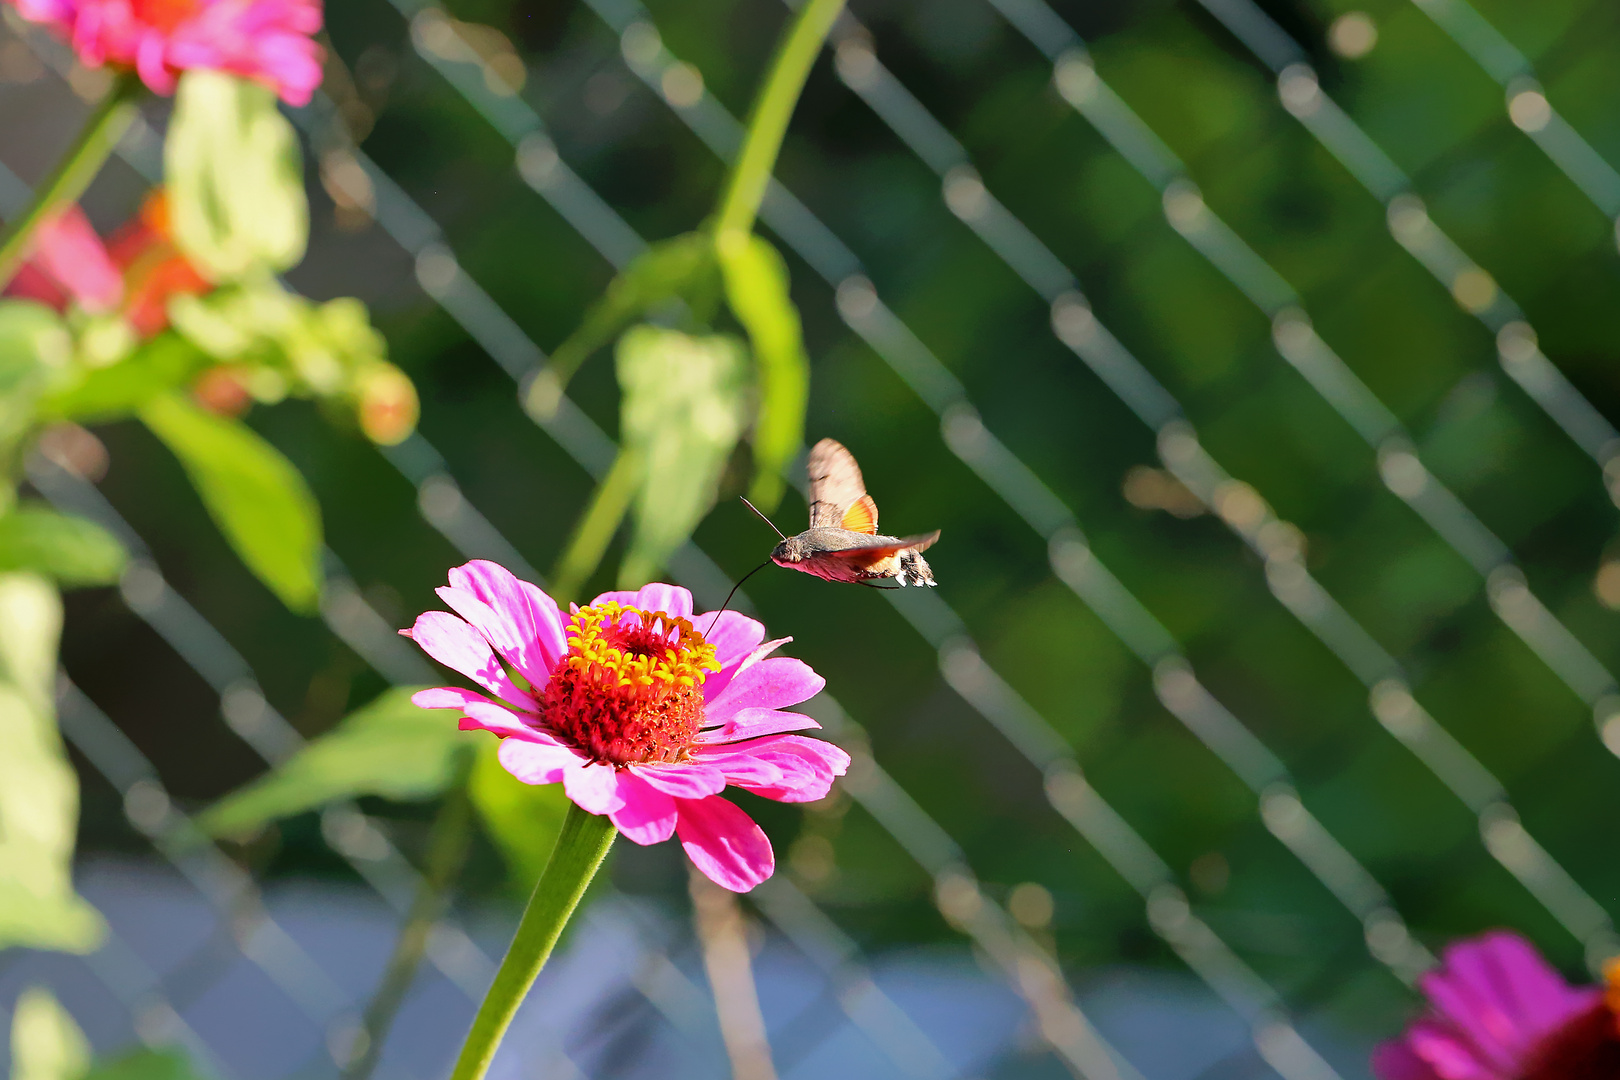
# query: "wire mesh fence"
(1285, 767)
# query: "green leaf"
(167, 362)
(522, 819)
(678, 268)
(234, 177)
(256, 496)
(35, 350)
(146, 1064)
(682, 412)
(71, 550)
(389, 748)
(39, 792)
(46, 1043)
(756, 282)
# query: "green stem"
(447, 851)
(751, 172)
(581, 846)
(101, 132)
(596, 526)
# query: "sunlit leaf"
(71, 550)
(39, 792)
(259, 500)
(756, 282)
(46, 1043)
(389, 748)
(234, 178)
(35, 350)
(679, 268)
(146, 1064)
(522, 819)
(682, 411)
(167, 362)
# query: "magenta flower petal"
(523, 623)
(1396, 1061)
(753, 723)
(670, 599)
(595, 788)
(743, 766)
(1496, 1008)
(808, 768)
(683, 781)
(648, 815)
(459, 647)
(538, 763)
(769, 684)
(725, 843)
(638, 713)
(480, 713)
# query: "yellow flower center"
(630, 689)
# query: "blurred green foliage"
(1438, 116)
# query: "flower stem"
(751, 172)
(581, 846)
(447, 851)
(595, 528)
(101, 132)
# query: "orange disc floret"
(630, 689)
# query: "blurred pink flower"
(643, 712)
(1498, 1011)
(268, 41)
(67, 263)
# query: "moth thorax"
(630, 688)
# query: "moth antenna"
(763, 518)
(735, 587)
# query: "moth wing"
(861, 516)
(920, 542)
(835, 483)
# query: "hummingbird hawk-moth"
(842, 542)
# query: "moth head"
(792, 550)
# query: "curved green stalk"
(102, 130)
(581, 847)
(751, 172)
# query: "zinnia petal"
(752, 723)
(670, 599)
(538, 763)
(682, 781)
(527, 628)
(594, 788)
(1396, 1061)
(807, 768)
(769, 684)
(478, 712)
(734, 636)
(461, 648)
(725, 843)
(648, 815)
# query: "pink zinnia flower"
(268, 41)
(1498, 1011)
(68, 263)
(643, 712)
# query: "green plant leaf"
(756, 281)
(389, 748)
(39, 792)
(46, 1043)
(168, 1063)
(522, 819)
(682, 412)
(256, 496)
(35, 350)
(234, 178)
(167, 362)
(70, 550)
(678, 268)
